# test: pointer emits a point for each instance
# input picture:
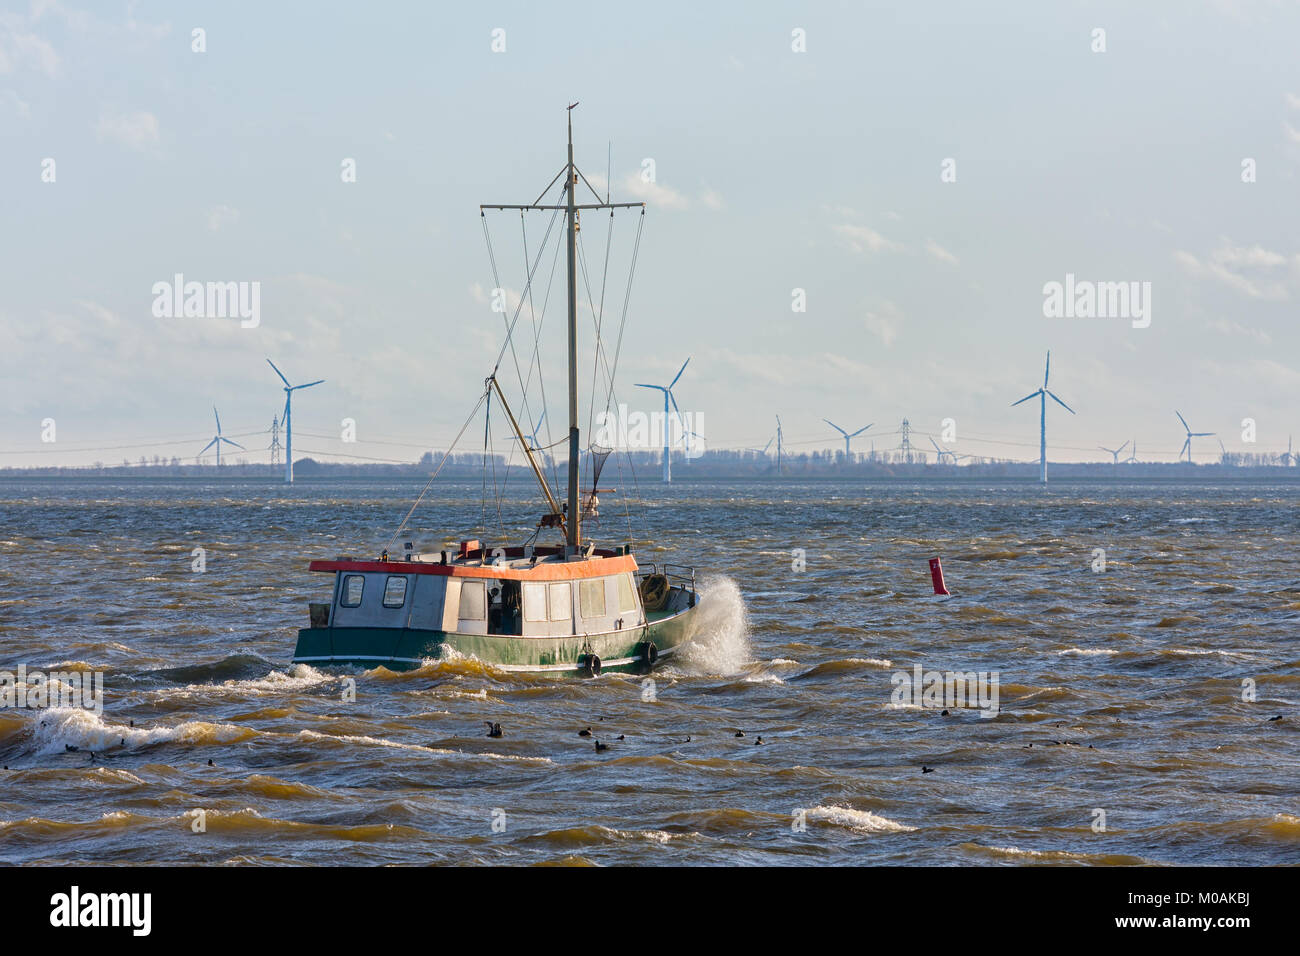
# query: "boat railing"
(678, 575)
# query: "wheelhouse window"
(626, 594)
(473, 604)
(395, 591)
(591, 597)
(353, 586)
(534, 601)
(561, 602)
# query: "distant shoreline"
(647, 474)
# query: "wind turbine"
(531, 442)
(1187, 443)
(847, 436)
(668, 397)
(945, 453)
(1288, 459)
(1132, 459)
(288, 419)
(1042, 394)
(217, 440)
(1115, 451)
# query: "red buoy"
(936, 575)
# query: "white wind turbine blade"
(235, 443)
(206, 447)
(278, 372)
(218, 418)
(686, 432)
(1061, 403)
(1186, 427)
(861, 430)
(679, 374)
(1027, 398)
(309, 384)
(836, 427)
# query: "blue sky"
(775, 170)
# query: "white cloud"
(656, 194)
(9, 100)
(1293, 101)
(939, 252)
(137, 130)
(865, 239)
(1227, 327)
(222, 215)
(1254, 271)
(711, 199)
(883, 322)
(21, 50)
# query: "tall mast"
(573, 519)
(573, 524)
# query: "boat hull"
(408, 648)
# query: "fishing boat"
(567, 607)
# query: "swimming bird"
(759, 741)
(620, 737)
(585, 733)
(68, 748)
(494, 730)
(944, 714)
(740, 733)
(925, 769)
(601, 748)
(1278, 717)
(210, 763)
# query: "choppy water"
(1119, 690)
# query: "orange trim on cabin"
(546, 571)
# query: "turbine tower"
(1187, 442)
(778, 444)
(1042, 395)
(847, 436)
(217, 440)
(1132, 459)
(1115, 451)
(288, 419)
(668, 397)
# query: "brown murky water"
(1119, 690)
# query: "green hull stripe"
(406, 648)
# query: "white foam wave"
(862, 821)
(721, 641)
(60, 727)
